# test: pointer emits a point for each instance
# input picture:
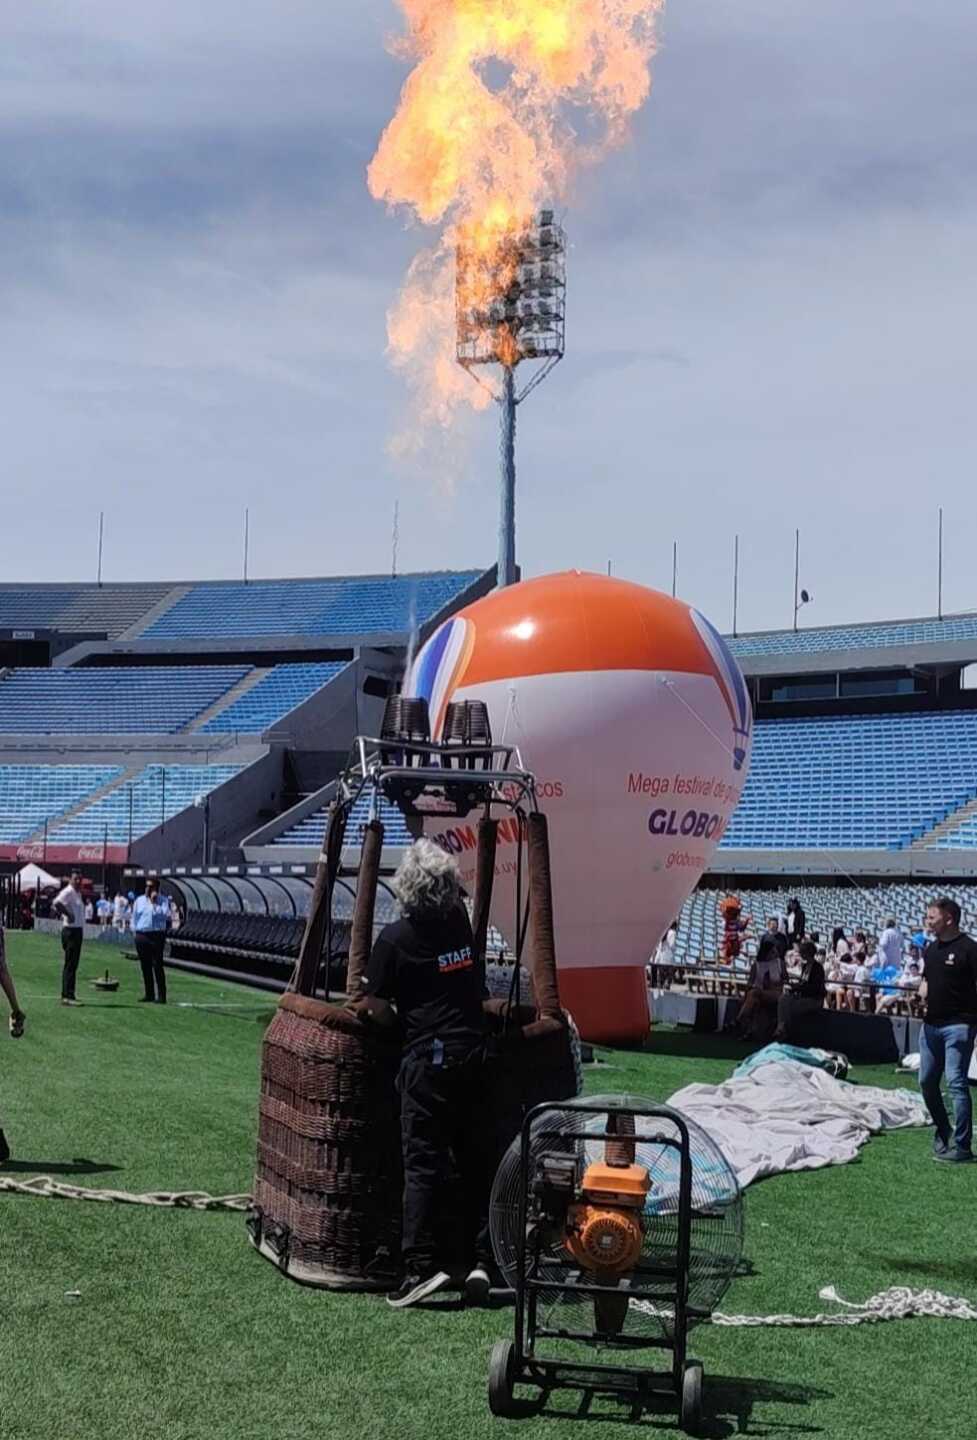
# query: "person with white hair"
(425, 966)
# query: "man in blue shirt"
(150, 921)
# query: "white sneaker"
(417, 1287)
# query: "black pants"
(71, 938)
(149, 948)
(450, 1148)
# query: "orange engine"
(604, 1230)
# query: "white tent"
(32, 877)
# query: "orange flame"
(486, 132)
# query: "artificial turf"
(181, 1331)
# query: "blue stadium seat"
(312, 830)
(151, 699)
(33, 794)
(346, 605)
(89, 609)
(272, 698)
(854, 782)
(854, 637)
(157, 793)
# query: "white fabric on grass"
(787, 1116)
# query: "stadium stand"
(345, 605)
(285, 687)
(108, 609)
(855, 782)
(157, 793)
(312, 830)
(30, 795)
(959, 837)
(825, 906)
(855, 637)
(159, 700)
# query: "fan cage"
(716, 1218)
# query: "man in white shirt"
(150, 922)
(891, 944)
(71, 907)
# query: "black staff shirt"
(428, 969)
(950, 972)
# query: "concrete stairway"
(945, 826)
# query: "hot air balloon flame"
(489, 129)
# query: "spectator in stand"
(120, 912)
(891, 944)
(17, 1022)
(796, 921)
(765, 982)
(835, 977)
(69, 905)
(150, 920)
(804, 996)
(946, 1038)
(859, 947)
(859, 993)
(904, 989)
(839, 945)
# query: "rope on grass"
(48, 1188)
(899, 1302)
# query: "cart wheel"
(691, 1414)
(502, 1377)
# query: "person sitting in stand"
(805, 995)
(425, 965)
(860, 995)
(765, 982)
(835, 977)
(906, 987)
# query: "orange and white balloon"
(633, 715)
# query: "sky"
(771, 310)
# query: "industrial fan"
(618, 1224)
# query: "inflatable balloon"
(633, 715)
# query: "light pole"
(510, 307)
(801, 597)
(202, 802)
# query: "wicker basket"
(327, 1189)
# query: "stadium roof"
(876, 644)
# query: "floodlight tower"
(510, 303)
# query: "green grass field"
(182, 1332)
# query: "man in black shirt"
(426, 966)
(806, 994)
(946, 1039)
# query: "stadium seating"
(854, 782)
(271, 935)
(346, 605)
(312, 830)
(33, 794)
(854, 637)
(272, 698)
(91, 609)
(960, 837)
(158, 792)
(151, 699)
(825, 906)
